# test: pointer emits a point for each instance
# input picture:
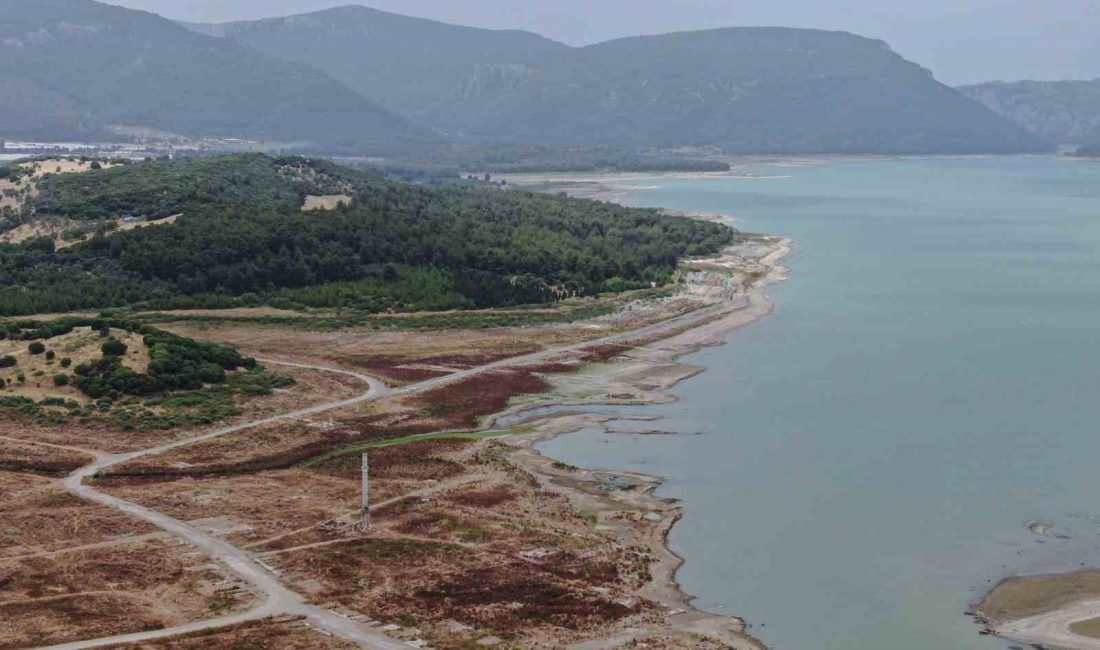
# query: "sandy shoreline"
(643, 374)
(1044, 610)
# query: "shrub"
(113, 348)
(36, 348)
(51, 355)
(66, 362)
(8, 362)
(61, 380)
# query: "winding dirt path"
(279, 600)
(93, 453)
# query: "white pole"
(366, 488)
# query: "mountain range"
(358, 80)
(1064, 112)
(744, 90)
(77, 69)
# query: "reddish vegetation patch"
(484, 498)
(435, 582)
(464, 403)
(130, 567)
(553, 367)
(486, 599)
(26, 457)
(259, 506)
(417, 461)
(210, 463)
(454, 406)
(85, 432)
(393, 370)
(37, 514)
(475, 359)
(72, 618)
(396, 369)
(103, 591)
(605, 352)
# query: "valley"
(475, 539)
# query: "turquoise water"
(871, 454)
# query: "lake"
(861, 465)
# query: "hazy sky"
(962, 41)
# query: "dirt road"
(278, 599)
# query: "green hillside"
(396, 246)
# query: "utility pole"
(366, 490)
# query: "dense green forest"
(243, 239)
(160, 188)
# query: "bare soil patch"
(37, 515)
(72, 618)
(367, 350)
(473, 548)
(282, 634)
(259, 505)
(19, 456)
(105, 591)
(325, 202)
(1017, 598)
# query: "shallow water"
(873, 452)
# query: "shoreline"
(647, 373)
(1048, 628)
(1069, 599)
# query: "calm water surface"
(868, 458)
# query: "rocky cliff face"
(1064, 112)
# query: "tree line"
(397, 246)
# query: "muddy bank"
(642, 372)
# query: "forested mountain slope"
(159, 188)
(82, 69)
(744, 90)
(397, 246)
(407, 64)
(1065, 112)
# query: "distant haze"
(961, 41)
